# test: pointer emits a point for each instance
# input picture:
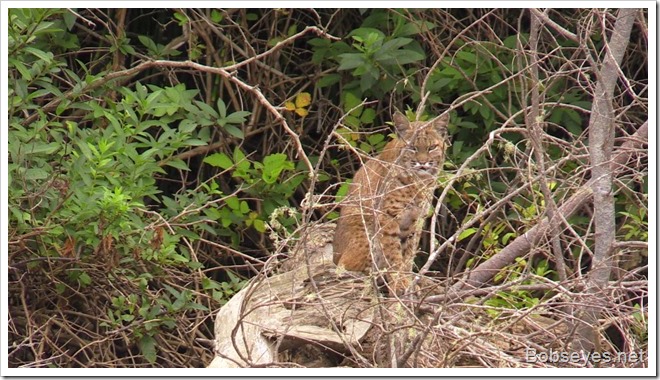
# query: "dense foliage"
(156, 156)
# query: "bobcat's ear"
(440, 125)
(401, 123)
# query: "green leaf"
(507, 236)
(274, 41)
(328, 80)
(69, 20)
(511, 42)
(148, 43)
(485, 111)
(406, 56)
(411, 28)
(222, 108)
(343, 191)
(274, 164)
(319, 42)
(350, 61)
(178, 258)
(450, 72)
(293, 29)
(178, 164)
(148, 348)
(47, 27)
(42, 55)
(259, 225)
(194, 142)
(21, 88)
(35, 174)
(237, 117)
(172, 291)
(40, 148)
(234, 131)
(367, 81)
(127, 49)
(220, 160)
(206, 109)
(351, 101)
(196, 306)
(393, 44)
(352, 121)
(366, 33)
(368, 116)
(466, 56)
(216, 16)
(240, 159)
(84, 279)
(467, 233)
(60, 288)
(376, 138)
(467, 124)
(25, 72)
(181, 18)
(207, 284)
(233, 203)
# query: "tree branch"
(601, 139)
(534, 122)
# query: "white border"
(187, 372)
(4, 160)
(652, 190)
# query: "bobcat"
(382, 217)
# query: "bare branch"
(521, 245)
(601, 140)
(533, 121)
(547, 20)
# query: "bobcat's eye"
(411, 148)
(433, 148)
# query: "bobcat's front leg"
(389, 250)
(409, 221)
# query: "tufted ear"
(440, 125)
(401, 123)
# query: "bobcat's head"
(424, 144)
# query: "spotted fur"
(383, 213)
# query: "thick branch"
(601, 137)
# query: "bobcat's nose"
(425, 168)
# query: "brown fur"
(381, 219)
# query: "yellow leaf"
(303, 99)
(302, 112)
(289, 106)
